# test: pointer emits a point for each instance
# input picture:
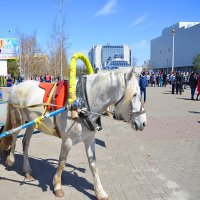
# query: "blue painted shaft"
(12, 131)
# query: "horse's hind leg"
(5, 144)
(15, 121)
(26, 142)
(11, 157)
(90, 151)
(65, 148)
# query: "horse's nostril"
(135, 125)
(144, 124)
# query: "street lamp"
(61, 35)
(173, 35)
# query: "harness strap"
(34, 105)
(54, 132)
(38, 121)
(83, 84)
(49, 99)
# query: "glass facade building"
(103, 55)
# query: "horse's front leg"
(25, 143)
(90, 150)
(65, 148)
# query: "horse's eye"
(135, 95)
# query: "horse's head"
(130, 108)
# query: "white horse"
(102, 90)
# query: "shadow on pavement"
(167, 92)
(194, 112)
(44, 171)
(184, 98)
(100, 142)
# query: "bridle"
(136, 113)
(133, 113)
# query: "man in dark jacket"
(143, 84)
(193, 84)
(179, 83)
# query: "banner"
(3, 67)
(9, 48)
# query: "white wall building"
(186, 47)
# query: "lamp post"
(61, 39)
(173, 35)
(61, 36)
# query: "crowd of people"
(178, 81)
(8, 81)
(5, 81)
(44, 78)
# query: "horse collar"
(83, 102)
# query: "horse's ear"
(130, 74)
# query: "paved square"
(160, 163)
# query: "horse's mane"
(131, 87)
(129, 84)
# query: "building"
(9, 48)
(176, 47)
(103, 55)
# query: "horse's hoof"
(29, 177)
(104, 198)
(9, 161)
(59, 193)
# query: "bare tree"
(134, 61)
(30, 61)
(146, 65)
(58, 40)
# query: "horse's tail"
(6, 141)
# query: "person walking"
(143, 84)
(179, 83)
(198, 86)
(164, 79)
(173, 82)
(48, 78)
(193, 84)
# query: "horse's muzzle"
(138, 127)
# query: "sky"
(93, 22)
